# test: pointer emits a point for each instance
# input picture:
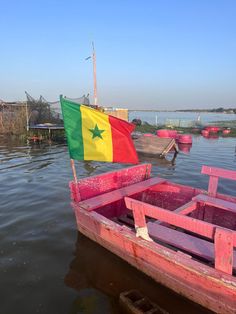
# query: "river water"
(46, 266)
(161, 117)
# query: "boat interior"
(199, 224)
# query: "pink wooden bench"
(217, 202)
(214, 174)
(116, 195)
(183, 241)
(224, 239)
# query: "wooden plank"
(188, 223)
(213, 185)
(218, 172)
(225, 259)
(186, 208)
(181, 240)
(113, 196)
(189, 243)
(168, 147)
(217, 202)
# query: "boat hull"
(191, 279)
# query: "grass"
(148, 128)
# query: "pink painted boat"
(182, 237)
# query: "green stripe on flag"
(73, 127)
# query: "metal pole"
(94, 77)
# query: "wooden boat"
(154, 146)
(182, 237)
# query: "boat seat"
(116, 195)
(185, 242)
(216, 202)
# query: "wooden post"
(72, 163)
(212, 186)
(224, 243)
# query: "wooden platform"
(155, 146)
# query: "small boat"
(182, 237)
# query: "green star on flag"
(96, 132)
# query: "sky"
(153, 54)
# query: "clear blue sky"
(154, 54)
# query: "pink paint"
(227, 131)
(163, 133)
(205, 133)
(185, 139)
(167, 133)
(173, 134)
(212, 129)
(185, 148)
(105, 216)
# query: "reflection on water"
(110, 276)
(38, 230)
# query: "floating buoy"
(212, 129)
(163, 133)
(173, 134)
(226, 131)
(185, 148)
(205, 133)
(185, 139)
(167, 133)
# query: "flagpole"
(72, 163)
(94, 77)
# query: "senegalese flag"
(94, 135)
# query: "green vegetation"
(148, 128)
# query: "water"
(46, 266)
(161, 117)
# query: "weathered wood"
(188, 223)
(212, 287)
(214, 174)
(196, 281)
(109, 181)
(225, 258)
(213, 185)
(186, 242)
(154, 145)
(216, 202)
(219, 172)
(111, 197)
(186, 208)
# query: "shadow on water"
(95, 272)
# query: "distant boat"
(180, 236)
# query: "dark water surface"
(46, 266)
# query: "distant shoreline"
(226, 111)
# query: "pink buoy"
(212, 129)
(163, 133)
(205, 133)
(185, 139)
(185, 148)
(173, 134)
(167, 133)
(227, 131)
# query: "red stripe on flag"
(123, 146)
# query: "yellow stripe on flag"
(96, 133)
